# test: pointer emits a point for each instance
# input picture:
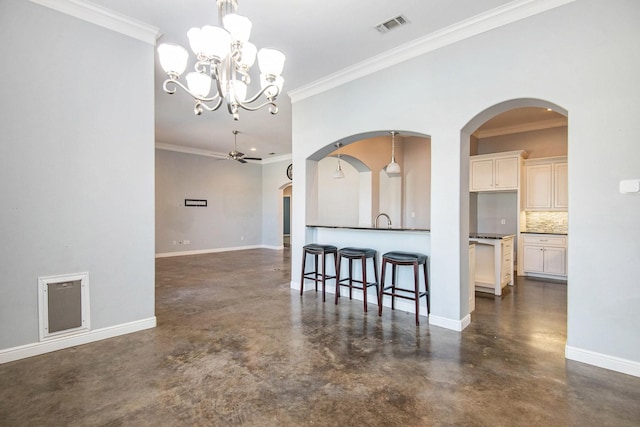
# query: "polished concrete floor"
(235, 346)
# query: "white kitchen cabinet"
(496, 172)
(546, 184)
(544, 255)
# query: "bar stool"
(316, 275)
(362, 254)
(396, 258)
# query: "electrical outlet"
(186, 242)
(503, 221)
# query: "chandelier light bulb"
(238, 26)
(271, 61)
(173, 58)
(248, 55)
(199, 84)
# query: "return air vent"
(392, 23)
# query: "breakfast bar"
(382, 240)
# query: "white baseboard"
(35, 349)
(211, 251)
(445, 322)
(605, 361)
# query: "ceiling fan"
(236, 155)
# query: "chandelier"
(223, 59)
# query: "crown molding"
(215, 155)
(190, 150)
(489, 20)
(105, 18)
(524, 127)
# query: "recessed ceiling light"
(252, 149)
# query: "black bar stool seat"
(361, 254)
(399, 258)
(317, 275)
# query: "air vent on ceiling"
(392, 23)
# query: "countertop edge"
(343, 227)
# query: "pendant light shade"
(338, 174)
(393, 167)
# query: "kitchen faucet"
(375, 225)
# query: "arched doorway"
(529, 127)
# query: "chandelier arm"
(201, 106)
(179, 84)
(273, 109)
(263, 90)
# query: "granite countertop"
(544, 232)
(489, 236)
(368, 228)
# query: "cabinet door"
(555, 261)
(560, 187)
(506, 173)
(481, 175)
(538, 187)
(533, 258)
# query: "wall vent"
(63, 303)
(392, 23)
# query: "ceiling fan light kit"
(224, 57)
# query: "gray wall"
(76, 167)
(274, 180)
(233, 216)
(554, 56)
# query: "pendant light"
(338, 174)
(393, 167)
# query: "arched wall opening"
(469, 199)
(367, 189)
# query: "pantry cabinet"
(546, 184)
(545, 254)
(496, 172)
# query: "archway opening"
(532, 134)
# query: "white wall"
(555, 56)
(233, 190)
(76, 167)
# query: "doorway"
(537, 129)
(286, 217)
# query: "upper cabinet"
(496, 172)
(546, 184)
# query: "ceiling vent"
(392, 23)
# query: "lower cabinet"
(545, 254)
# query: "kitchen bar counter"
(382, 240)
(369, 228)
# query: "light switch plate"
(630, 186)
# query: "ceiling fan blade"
(252, 158)
(241, 160)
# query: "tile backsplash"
(546, 222)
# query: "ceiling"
(317, 37)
